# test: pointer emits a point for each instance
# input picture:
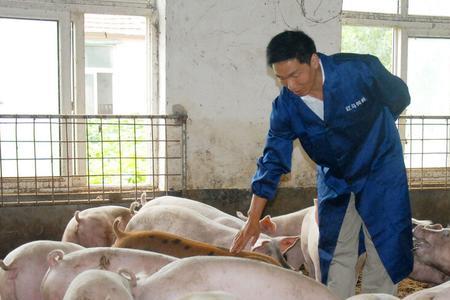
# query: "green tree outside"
(377, 41)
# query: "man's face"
(297, 77)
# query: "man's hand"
(250, 231)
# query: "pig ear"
(241, 216)
(259, 243)
(267, 225)
(143, 198)
(54, 257)
(119, 233)
(128, 275)
(133, 207)
(433, 227)
(421, 222)
(77, 216)
(287, 243)
(3, 266)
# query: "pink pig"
(23, 268)
(92, 227)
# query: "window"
(415, 47)
(396, 35)
(428, 75)
(429, 7)
(115, 52)
(63, 59)
(29, 57)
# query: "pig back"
(99, 284)
(63, 268)
(246, 279)
(184, 222)
(205, 210)
(92, 227)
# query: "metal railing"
(61, 159)
(426, 148)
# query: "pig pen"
(44, 222)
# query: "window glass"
(369, 40)
(29, 85)
(430, 93)
(29, 66)
(116, 64)
(428, 76)
(429, 7)
(379, 6)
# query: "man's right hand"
(248, 233)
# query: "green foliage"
(118, 153)
(377, 41)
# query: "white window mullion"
(65, 91)
(65, 64)
(404, 7)
(79, 63)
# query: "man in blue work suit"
(343, 109)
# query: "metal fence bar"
(88, 161)
(447, 145)
(120, 156)
(67, 158)
(52, 161)
(17, 162)
(153, 151)
(35, 155)
(135, 159)
(166, 164)
(1, 169)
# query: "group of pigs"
(103, 255)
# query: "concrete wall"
(214, 66)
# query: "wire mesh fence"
(61, 159)
(426, 148)
(53, 159)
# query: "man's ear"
(314, 62)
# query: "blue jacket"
(356, 148)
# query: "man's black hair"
(289, 45)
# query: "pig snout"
(426, 236)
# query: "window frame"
(71, 53)
(71, 60)
(64, 61)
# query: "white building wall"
(214, 66)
